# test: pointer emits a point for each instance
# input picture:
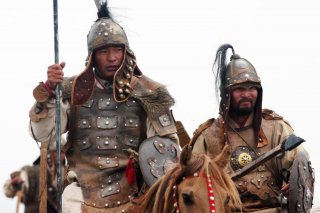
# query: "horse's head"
(198, 184)
(205, 186)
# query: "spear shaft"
(57, 120)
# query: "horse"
(198, 183)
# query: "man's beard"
(242, 111)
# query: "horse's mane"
(159, 198)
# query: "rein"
(212, 204)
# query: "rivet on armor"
(120, 83)
(259, 180)
(259, 153)
(115, 147)
(122, 210)
(131, 61)
(127, 90)
(130, 121)
(118, 202)
(240, 184)
(84, 122)
(262, 176)
(106, 34)
(109, 189)
(128, 75)
(108, 162)
(109, 181)
(304, 167)
(195, 174)
(136, 125)
(84, 142)
(108, 103)
(107, 122)
(120, 90)
(94, 204)
(106, 205)
(106, 142)
(117, 164)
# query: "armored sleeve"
(42, 114)
(156, 101)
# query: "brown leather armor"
(260, 189)
(102, 130)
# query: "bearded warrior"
(251, 132)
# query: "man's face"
(108, 60)
(243, 99)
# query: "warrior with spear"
(108, 110)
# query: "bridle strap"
(211, 198)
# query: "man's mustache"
(246, 100)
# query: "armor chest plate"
(102, 132)
(102, 124)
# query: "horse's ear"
(224, 157)
(185, 155)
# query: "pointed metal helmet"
(240, 71)
(105, 31)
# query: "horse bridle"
(212, 204)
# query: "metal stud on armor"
(100, 126)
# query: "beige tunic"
(260, 188)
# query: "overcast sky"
(175, 43)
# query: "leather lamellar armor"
(102, 131)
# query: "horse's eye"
(188, 199)
(227, 200)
